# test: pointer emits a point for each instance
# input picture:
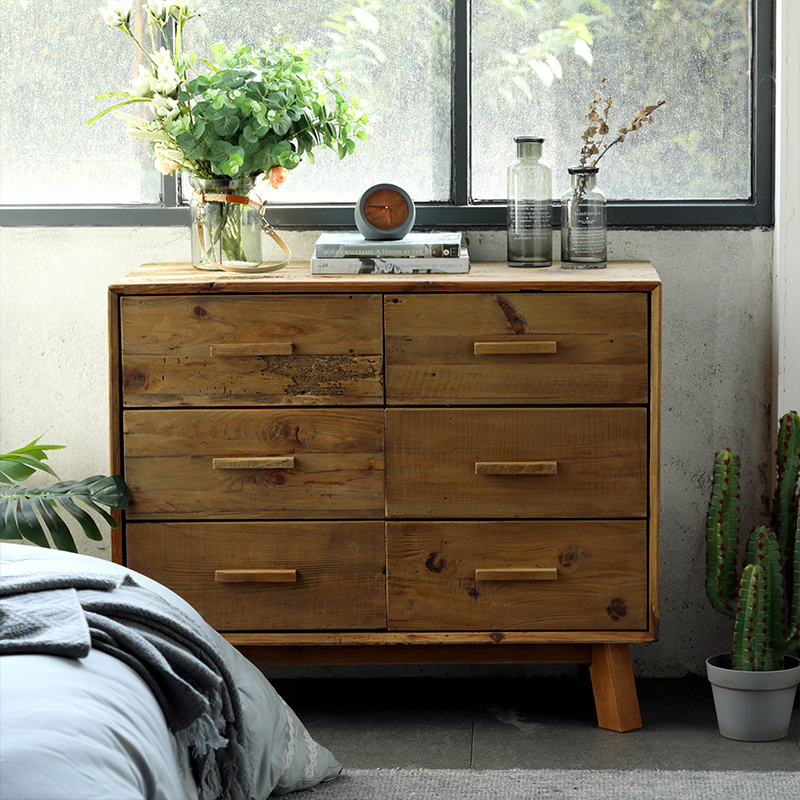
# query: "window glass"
(54, 57)
(535, 65)
(395, 57)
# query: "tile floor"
(525, 723)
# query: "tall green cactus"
(765, 597)
(750, 649)
(722, 533)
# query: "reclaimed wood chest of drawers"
(398, 468)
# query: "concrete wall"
(716, 377)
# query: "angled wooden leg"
(614, 688)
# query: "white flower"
(140, 85)
(158, 10)
(161, 79)
(164, 107)
(162, 10)
(117, 14)
(166, 80)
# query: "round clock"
(385, 211)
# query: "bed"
(110, 721)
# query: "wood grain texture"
(115, 409)
(338, 463)
(516, 348)
(174, 278)
(614, 688)
(289, 339)
(601, 575)
(255, 575)
(601, 455)
(340, 566)
(431, 638)
(502, 348)
(517, 574)
(516, 467)
(654, 566)
(254, 462)
(403, 654)
(251, 350)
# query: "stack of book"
(351, 253)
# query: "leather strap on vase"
(264, 266)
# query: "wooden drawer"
(513, 462)
(269, 575)
(501, 575)
(517, 348)
(256, 463)
(246, 350)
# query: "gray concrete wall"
(716, 379)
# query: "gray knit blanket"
(67, 615)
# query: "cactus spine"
(765, 598)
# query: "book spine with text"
(388, 266)
(387, 250)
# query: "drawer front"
(510, 462)
(252, 350)
(269, 575)
(503, 575)
(517, 348)
(254, 463)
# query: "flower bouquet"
(240, 115)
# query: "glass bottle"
(584, 239)
(530, 193)
(224, 233)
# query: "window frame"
(461, 212)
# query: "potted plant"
(754, 685)
(31, 513)
(227, 120)
(584, 237)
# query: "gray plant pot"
(753, 706)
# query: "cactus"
(750, 650)
(764, 598)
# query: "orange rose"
(165, 166)
(277, 175)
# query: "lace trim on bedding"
(309, 773)
(291, 748)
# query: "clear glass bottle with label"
(584, 238)
(530, 193)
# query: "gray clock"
(385, 211)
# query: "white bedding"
(91, 729)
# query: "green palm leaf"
(20, 464)
(32, 513)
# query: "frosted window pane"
(54, 57)
(529, 77)
(396, 57)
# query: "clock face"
(385, 211)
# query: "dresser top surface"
(182, 278)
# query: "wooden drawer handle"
(517, 574)
(516, 467)
(245, 349)
(512, 348)
(255, 575)
(257, 462)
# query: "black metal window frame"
(461, 212)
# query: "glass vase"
(223, 233)
(530, 191)
(584, 237)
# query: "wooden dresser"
(396, 468)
